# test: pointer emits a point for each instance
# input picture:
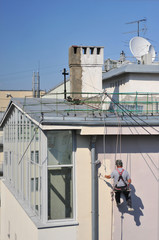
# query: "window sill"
(54, 224)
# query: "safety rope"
(112, 214)
(118, 146)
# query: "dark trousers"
(126, 194)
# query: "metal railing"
(132, 102)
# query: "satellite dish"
(140, 46)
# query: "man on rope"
(121, 184)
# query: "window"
(35, 156)
(6, 164)
(28, 130)
(60, 175)
(32, 156)
(34, 181)
(24, 128)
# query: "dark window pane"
(60, 199)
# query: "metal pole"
(64, 73)
(33, 84)
(94, 191)
(38, 85)
(138, 30)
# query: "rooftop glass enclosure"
(22, 162)
(25, 167)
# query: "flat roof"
(131, 68)
(48, 112)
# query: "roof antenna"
(138, 26)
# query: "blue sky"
(36, 34)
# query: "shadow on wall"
(137, 206)
(136, 203)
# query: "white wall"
(132, 82)
(91, 80)
(140, 155)
(13, 214)
(22, 225)
(25, 229)
(55, 93)
(83, 183)
(143, 83)
(84, 198)
(57, 233)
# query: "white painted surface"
(25, 229)
(20, 223)
(83, 181)
(141, 158)
(132, 82)
(91, 80)
(58, 92)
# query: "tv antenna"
(138, 26)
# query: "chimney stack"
(85, 70)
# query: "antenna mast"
(36, 85)
(138, 24)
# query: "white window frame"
(58, 222)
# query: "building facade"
(55, 159)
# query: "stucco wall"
(21, 225)
(84, 197)
(143, 82)
(57, 233)
(25, 228)
(91, 80)
(83, 183)
(141, 158)
(55, 93)
(132, 82)
(12, 214)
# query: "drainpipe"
(94, 190)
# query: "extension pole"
(94, 190)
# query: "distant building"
(132, 78)
(6, 95)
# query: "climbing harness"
(123, 188)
